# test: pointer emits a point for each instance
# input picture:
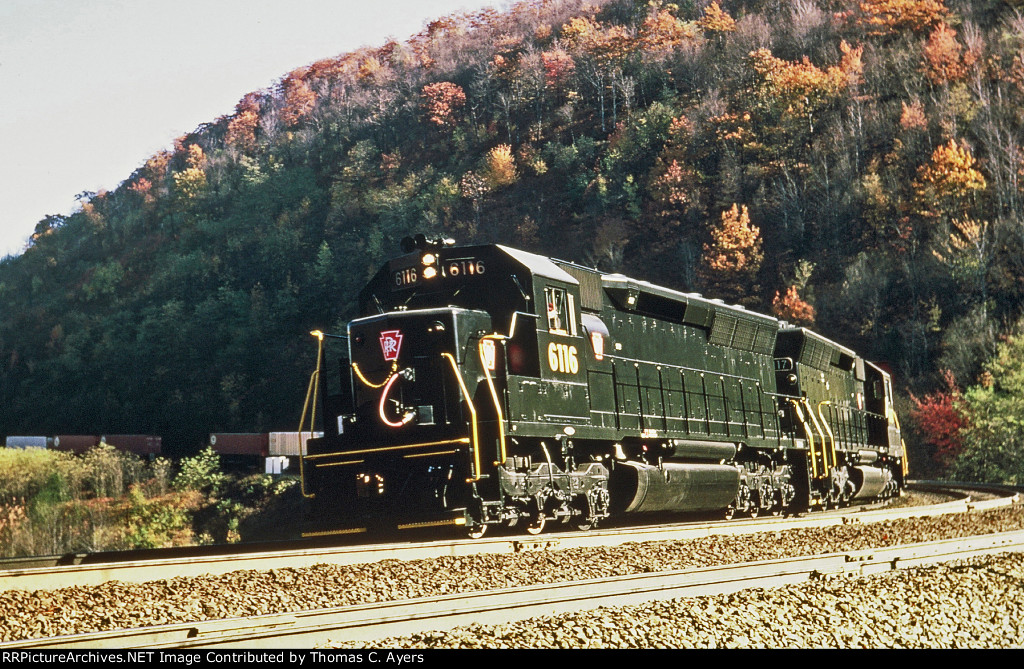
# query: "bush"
(201, 473)
(161, 522)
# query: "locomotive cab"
(426, 384)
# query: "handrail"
(824, 453)
(828, 429)
(494, 392)
(472, 411)
(312, 390)
(810, 436)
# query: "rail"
(52, 573)
(376, 621)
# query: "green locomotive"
(485, 386)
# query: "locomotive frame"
(485, 385)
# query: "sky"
(90, 89)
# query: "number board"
(453, 268)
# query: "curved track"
(355, 623)
(154, 565)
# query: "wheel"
(755, 510)
(478, 531)
(582, 524)
(730, 512)
(537, 524)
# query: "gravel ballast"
(832, 605)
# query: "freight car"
(143, 445)
(487, 386)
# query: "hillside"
(851, 165)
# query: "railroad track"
(368, 622)
(365, 622)
(53, 576)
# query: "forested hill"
(851, 165)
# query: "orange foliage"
(801, 86)
(606, 45)
(672, 188)
(441, 101)
(156, 167)
(716, 19)
(242, 131)
(144, 188)
(944, 59)
(299, 99)
(662, 31)
(885, 17)
(913, 117)
(791, 307)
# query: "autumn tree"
(299, 99)
(241, 132)
(939, 418)
(500, 167)
(944, 58)
(662, 32)
(793, 308)
(885, 17)
(190, 182)
(441, 102)
(969, 251)
(949, 185)
(716, 19)
(733, 257)
(599, 51)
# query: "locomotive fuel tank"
(638, 487)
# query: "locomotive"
(485, 386)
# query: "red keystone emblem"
(390, 344)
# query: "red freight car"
(75, 443)
(242, 443)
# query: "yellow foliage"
(501, 167)
(735, 243)
(950, 174)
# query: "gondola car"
(484, 386)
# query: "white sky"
(89, 89)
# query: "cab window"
(560, 312)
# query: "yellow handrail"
(472, 411)
(821, 433)
(904, 461)
(810, 436)
(494, 393)
(312, 390)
